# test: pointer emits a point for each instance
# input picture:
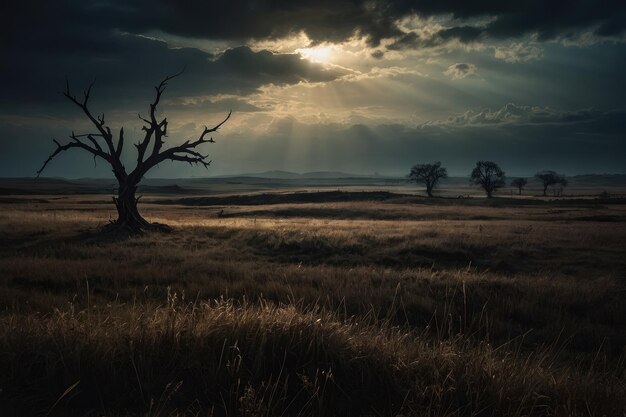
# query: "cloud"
(213, 104)
(518, 51)
(459, 71)
(512, 113)
(129, 65)
(320, 20)
(519, 19)
(435, 36)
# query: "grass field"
(397, 307)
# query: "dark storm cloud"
(43, 42)
(321, 20)
(127, 66)
(511, 19)
(326, 20)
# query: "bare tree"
(519, 183)
(488, 175)
(557, 189)
(102, 144)
(429, 175)
(550, 179)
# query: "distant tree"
(550, 179)
(150, 152)
(429, 175)
(557, 189)
(488, 175)
(519, 183)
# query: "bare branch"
(145, 120)
(190, 160)
(97, 122)
(163, 84)
(207, 130)
(120, 143)
(95, 143)
(113, 154)
(159, 91)
(88, 91)
(186, 149)
(76, 144)
(153, 128)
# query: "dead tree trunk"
(128, 217)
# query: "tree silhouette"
(550, 178)
(557, 189)
(102, 144)
(519, 183)
(488, 175)
(429, 175)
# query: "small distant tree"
(551, 179)
(519, 183)
(557, 189)
(488, 175)
(429, 175)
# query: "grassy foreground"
(347, 309)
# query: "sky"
(358, 86)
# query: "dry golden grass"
(314, 309)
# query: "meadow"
(380, 306)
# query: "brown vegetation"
(347, 308)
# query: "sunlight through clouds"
(320, 54)
(366, 63)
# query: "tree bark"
(128, 217)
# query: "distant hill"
(164, 189)
(286, 198)
(287, 175)
(332, 174)
(599, 180)
(266, 174)
(591, 184)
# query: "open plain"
(309, 304)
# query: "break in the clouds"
(372, 85)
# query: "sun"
(321, 54)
